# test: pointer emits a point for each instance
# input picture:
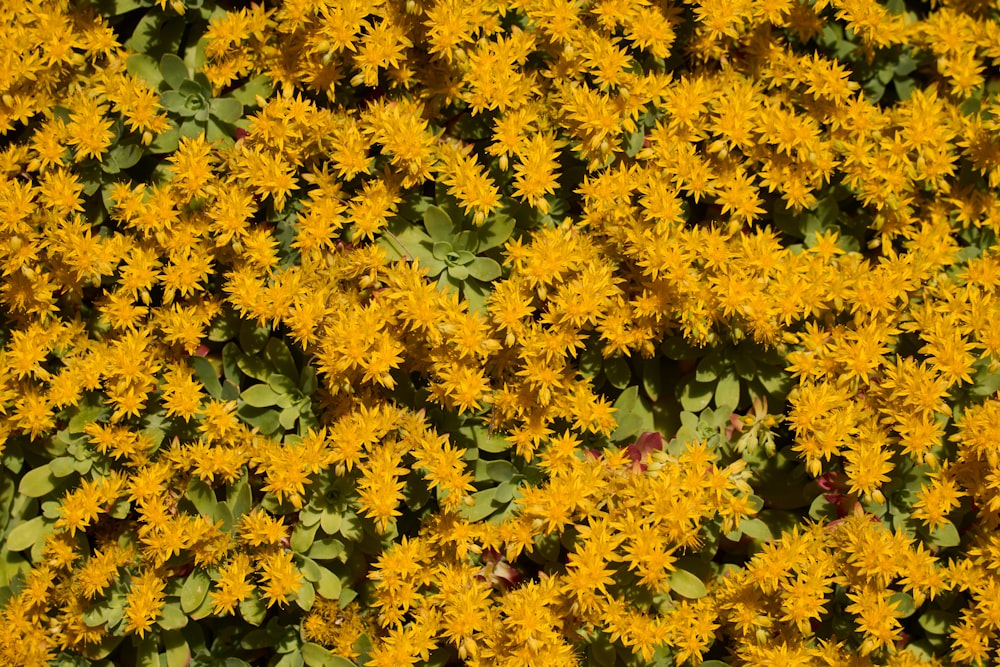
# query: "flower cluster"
(358, 327)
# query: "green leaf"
(117, 7)
(166, 142)
(329, 521)
(267, 420)
(307, 381)
(408, 240)
(618, 371)
(458, 272)
(937, 621)
(774, 380)
(485, 269)
(85, 413)
(727, 391)
(710, 367)
(225, 327)
(64, 466)
(201, 496)
(438, 224)
(288, 417)
(494, 232)
(500, 471)
(227, 109)
(328, 585)
(466, 258)
(695, 396)
(230, 363)
(652, 378)
(602, 652)
(176, 648)
(904, 604)
(306, 596)
(482, 505)
(756, 529)
(194, 591)
(303, 537)
(327, 549)
(260, 396)
(687, 585)
(315, 655)
(280, 357)
(239, 498)
(634, 143)
(253, 338)
(253, 610)
(146, 653)
(24, 535)
(945, 536)
(505, 492)
(464, 242)
(248, 92)
(207, 375)
(174, 71)
(171, 617)
(125, 155)
(156, 33)
(255, 367)
(38, 482)
(441, 250)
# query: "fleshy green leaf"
(727, 391)
(617, 371)
(485, 269)
(441, 250)
(194, 591)
(280, 357)
(482, 505)
(207, 375)
(495, 232)
(438, 224)
(172, 617)
(695, 396)
(176, 647)
(248, 92)
(315, 655)
(945, 536)
(499, 471)
(24, 535)
(142, 66)
(174, 71)
(260, 396)
(464, 241)
(937, 621)
(328, 584)
(687, 585)
(38, 482)
(227, 109)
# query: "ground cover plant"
(499, 332)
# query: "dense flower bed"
(499, 332)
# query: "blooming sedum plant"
(517, 333)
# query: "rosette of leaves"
(260, 372)
(188, 100)
(459, 257)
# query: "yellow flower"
(280, 579)
(233, 585)
(535, 174)
(144, 602)
(259, 528)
